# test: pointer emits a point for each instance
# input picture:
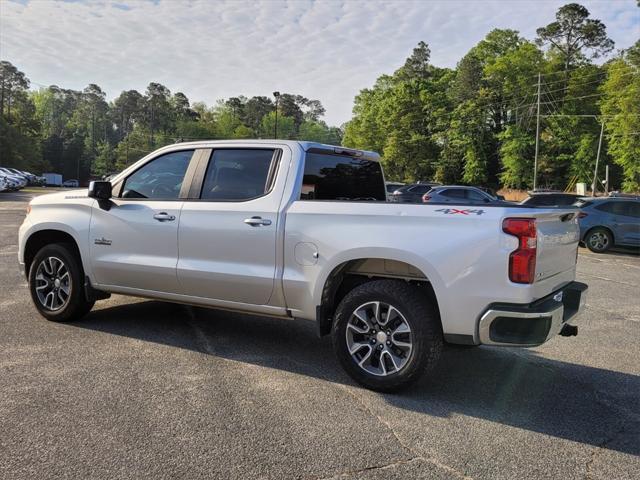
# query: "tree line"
(82, 135)
(477, 123)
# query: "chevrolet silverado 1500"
(303, 230)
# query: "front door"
(227, 235)
(134, 243)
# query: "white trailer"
(52, 179)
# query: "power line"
(603, 67)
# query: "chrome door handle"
(164, 217)
(257, 221)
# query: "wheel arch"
(349, 274)
(41, 238)
(591, 229)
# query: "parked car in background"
(18, 174)
(4, 186)
(11, 183)
(29, 177)
(19, 179)
(72, 183)
(459, 194)
(393, 186)
(624, 195)
(550, 199)
(411, 193)
(609, 221)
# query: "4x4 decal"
(453, 211)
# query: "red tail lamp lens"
(522, 261)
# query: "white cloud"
(327, 50)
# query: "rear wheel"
(386, 334)
(599, 240)
(56, 284)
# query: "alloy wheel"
(598, 241)
(379, 338)
(53, 283)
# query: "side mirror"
(100, 190)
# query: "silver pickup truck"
(303, 230)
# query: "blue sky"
(327, 50)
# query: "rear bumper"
(535, 323)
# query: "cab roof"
(312, 147)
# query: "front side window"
(341, 177)
(237, 174)
(160, 179)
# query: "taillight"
(582, 215)
(426, 198)
(522, 261)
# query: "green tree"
(286, 126)
(621, 105)
(13, 82)
(516, 151)
(573, 33)
(105, 160)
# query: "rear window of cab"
(342, 177)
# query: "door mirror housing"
(100, 190)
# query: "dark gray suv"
(459, 194)
(411, 193)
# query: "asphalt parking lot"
(144, 389)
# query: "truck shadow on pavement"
(514, 387)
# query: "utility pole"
(535, 160)
(275, 132)
(606, 179)
(595, 172)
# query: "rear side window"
(633, 209)
(615, 208)
(475, 196)
(237, 174)
(541, 200)
(341, 177)
(453, 193)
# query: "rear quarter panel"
(464, 256)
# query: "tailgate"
(558, 235)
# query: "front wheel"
(599, 240)
(56, 284)
(386, 334)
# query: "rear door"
(622, 218)
(228, 228)
(628, 221)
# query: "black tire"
(598, 240)
(75, 305)
(415, 310)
